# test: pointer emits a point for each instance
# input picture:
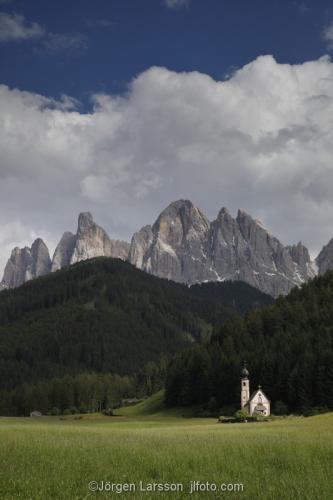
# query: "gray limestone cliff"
(175, 246)
(324, 260)
(184, 246)
(90, 241)
(26, 263)
(64, 251)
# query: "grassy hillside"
(154, 408)
(102, 315)
(52, 458)
(148, 407)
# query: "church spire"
(245, 386)
(244, 373)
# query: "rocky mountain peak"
(174, 247)
(26, 263)
(248, 225)
(85, 220)
(89, 241)
(224, 212)
(64, 251)
(300, 254)
(184, 246)
(324, 260)
(40, 258)
(181, 220)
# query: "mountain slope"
(184, 246)
(288, 347)
(235, 295)
(102, 315)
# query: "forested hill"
(102, 315)
(288, 347)
(236, 295)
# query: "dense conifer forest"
(288, 347)
(103, 318)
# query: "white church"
(256, 403)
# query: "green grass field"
(48, 458)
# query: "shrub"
(241, 415)
(316, 410)
(108, 412)
(55, 411)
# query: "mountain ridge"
(184, 246)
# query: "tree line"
(105, 316)
(288, 347)
(82, 393)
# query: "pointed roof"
(256, 392)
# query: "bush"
(108, 412)
(317, 410)
(241, 415)
(226, 420)
(55, 411)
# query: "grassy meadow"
(49, 457)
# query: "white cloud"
(176, 4)
(328, 36)
(262, 140)
(56, 43)
(16, 27)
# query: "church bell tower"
(245, 386)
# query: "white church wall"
(259, 397)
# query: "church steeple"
(245, 386)
(245, 373)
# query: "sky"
(121, 106)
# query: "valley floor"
(52, 458)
